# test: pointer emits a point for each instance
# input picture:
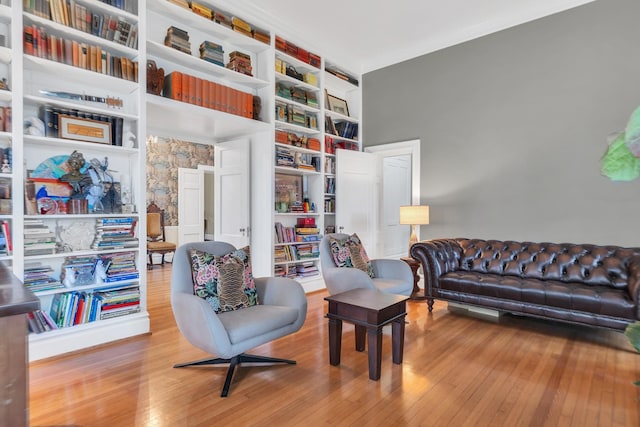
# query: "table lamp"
(414, 215)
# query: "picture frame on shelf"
(84, 129)
(337, 105)
(288, 191)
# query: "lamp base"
(413, 238)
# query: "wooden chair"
(156, 241)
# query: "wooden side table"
(414, 265)
(369, 310)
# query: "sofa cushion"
(225, 282)
(575, 296)
(350, 253)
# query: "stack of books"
(119, 267)
(284, 157)
(178, 39)
(38, 239)
(40, 321)
(240, 62)
(119, 301)
(307, 269)
(241, 26)
(38, 278)
(115, 233)
(212, 52)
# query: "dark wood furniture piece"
(156, 241)
(369, 310)
(414, 265)
(15, 302)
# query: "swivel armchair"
(390, 275)
(281, 311)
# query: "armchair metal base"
(236, 360)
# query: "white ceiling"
(365, 35)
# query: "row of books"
(296, 234)
(130, 6)
(194, 90)
(329, 165)
(115, 233)
(296, 252)
(78, 54)
(292, 138)
(344, 129)
(51, 115)
(74, 15)
(75, 308)
(222, 18)
(295, 159)
(306, 269)
(297, 52)
(330, 185)
(297, 94)
(329, 204)
(296, 115)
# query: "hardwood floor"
(458, 370)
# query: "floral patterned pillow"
(226, 281)
(350, 253)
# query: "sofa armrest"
(634, 283)
(437, 257)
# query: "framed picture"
(71, 127)
(289, 191)
(337, 105)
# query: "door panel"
(232, 192)
(190, 206)
(357, 196)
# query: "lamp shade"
(414, 215)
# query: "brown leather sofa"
(586, 284)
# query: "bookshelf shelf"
(91, 287)
(294, 171)
(301, 67)
(194, 21)
(97, 5)
(5, 14)
(295, 128)
(300, 149)
(62, 71)
(80, 105)
(295, 82)
(194, 123)
(304, 107)
(6, 96)
(43, 141)
(65, 31)
(189, 62)
(5, 55)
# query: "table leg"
(397, 336)
(335, 341)
(360, 336)
(374, 340)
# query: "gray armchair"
(281, 311)
(391, 275)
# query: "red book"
(28, 40)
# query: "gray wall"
(513, 126)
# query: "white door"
(190, 206)
(232, 192)
(396, 192)
(357, 196)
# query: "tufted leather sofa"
(587, 284)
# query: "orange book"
(185, 87)
(206, 94)
(199, 83)
(192, 89)
(173, 86)
(28, 40)
(217, 96)
(75, 53)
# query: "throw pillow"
(350, 253)
(226, 281)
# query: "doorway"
(399, 171)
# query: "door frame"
(408, 147)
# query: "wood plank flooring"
(458, 370)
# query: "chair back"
(181, 274)
(155, 223)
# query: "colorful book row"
(194, 90)
(78, 54)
